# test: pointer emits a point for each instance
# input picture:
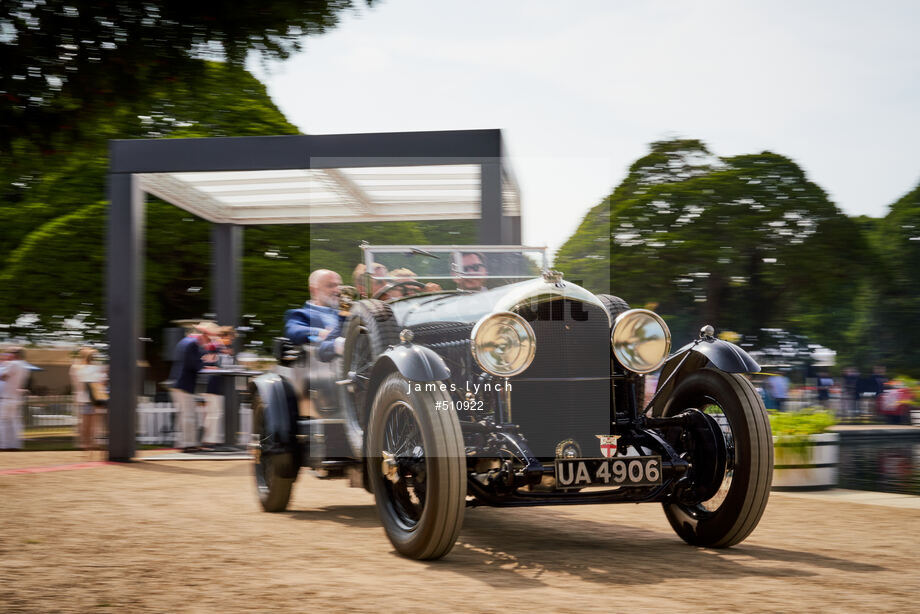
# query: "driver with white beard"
(319, 321)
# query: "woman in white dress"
(83, 372)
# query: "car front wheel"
(740, 495)
(417, 467)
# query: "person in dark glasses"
(474, 270)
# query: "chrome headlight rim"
(621, 319)
(517, 320)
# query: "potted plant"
(806, 453)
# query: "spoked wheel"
(736, 497)
(404, 466)
(274, 470)
(417, 468)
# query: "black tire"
(734, 511)
(273, 470)
(422, 499)
(614, 305)
(370, 329)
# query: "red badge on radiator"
(608, 445)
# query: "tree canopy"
(887, 329)
(56, 222)
(68, 63)
(52, 233)
(745, 243)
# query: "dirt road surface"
(190, 537)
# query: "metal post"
(514, 230)
(491, 218)
(124, 309)
(226, 253)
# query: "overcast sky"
(579, 95)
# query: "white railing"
(49, 412)
(157, 423)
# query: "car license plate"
(617, 471)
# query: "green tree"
(68, 64)
(745, 243)
(77, 183)
(892, 307)
(52, 236)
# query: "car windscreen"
(469, 268)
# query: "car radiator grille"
(565, 394)
(451, 340)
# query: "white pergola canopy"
(305, 179)
(318, 196)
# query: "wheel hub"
(701, 443)
(708, 457)
(389, 467)
(412, 467)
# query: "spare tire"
(369, 330)
(614, 305)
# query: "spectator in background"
(760, 385)
(7, 430)
(778, 387)
(191, 356)
(84, 372)
(213, 418)
(13, 373)
(879, 381)
(3, 358)
(227, 353)
(825, 383)
(849, 403)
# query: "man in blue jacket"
(318, 321)
(193, 353)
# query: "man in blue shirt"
(318, 321)
(778, 386)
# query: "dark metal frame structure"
(125, 242)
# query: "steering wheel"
(399, 284)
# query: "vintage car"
(512, 387)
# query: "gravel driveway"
(158, 536)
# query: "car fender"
(723, 355)
(280, 405)
(705, 352)
(416, 363)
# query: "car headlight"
(641, 340)
(503, 344)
